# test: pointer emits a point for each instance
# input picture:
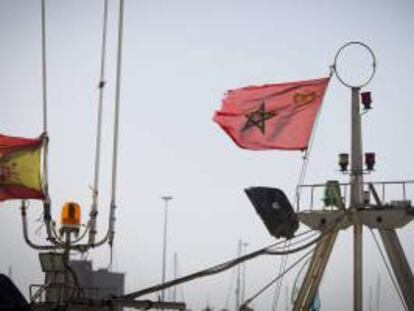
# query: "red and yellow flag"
(20, 173)
(273, 116)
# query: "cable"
(295, 282)
(229, 264)
(397, 289)
(282, 267)
(292, 243)
(213, 270)
(277, 278)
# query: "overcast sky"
(180, 57)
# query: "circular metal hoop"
(373, 64)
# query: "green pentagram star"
(258, 118)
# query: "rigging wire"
(269, 250)
(295, 282)
(263, 289)
(397, 289)
(279, 284)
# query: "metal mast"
(356, 181)
(360, 212)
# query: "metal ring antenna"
(373, 64)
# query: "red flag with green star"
(272, 116)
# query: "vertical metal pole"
(243, 288)
(239, 250)
(378, 292)
(356, 196)
(44, 97)
(65, 285)
(47, 218)
(174, 293)
(370, 299)
(287, 304)
(94, 207)
(164, 249)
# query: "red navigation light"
(343, 161)
(370, 160)
(366, 100)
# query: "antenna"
(174, 293)
(166, 199)
(95, 189)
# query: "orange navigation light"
(71, 214)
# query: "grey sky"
(179, 59)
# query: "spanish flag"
(20, 173)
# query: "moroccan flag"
(20, 176)
(273, 116)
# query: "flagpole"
(47, 218)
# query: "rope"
(95, 190)
(306, 156)
(277, 278)
(397, 289)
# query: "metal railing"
(53, 295)
(56, 292)
(311, 196)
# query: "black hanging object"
(275, 210)
(366, 100)
(370, 160)
(10, 296)
(343, 161)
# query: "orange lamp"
(71, 214)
